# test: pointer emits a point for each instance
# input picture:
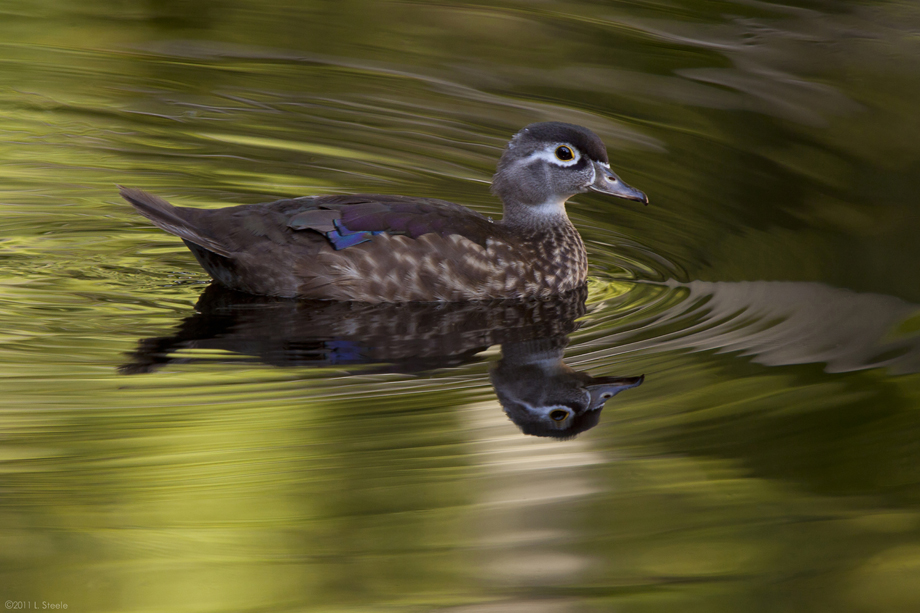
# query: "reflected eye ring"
(558, 415)
(564, 153)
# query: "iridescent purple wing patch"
(342, 238)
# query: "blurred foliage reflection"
(769, 294)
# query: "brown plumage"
(377, 248)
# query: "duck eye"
(558, 414)
(564, 153)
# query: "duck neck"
(554, 245)
(537, 218)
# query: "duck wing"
(343, 220)
(346, 221)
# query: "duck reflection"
(544, 396)
(537, 390)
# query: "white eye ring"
(557, 154)
(549, 155)
(559, 415)
(564, 153)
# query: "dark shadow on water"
(537, 390)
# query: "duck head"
(545, 164)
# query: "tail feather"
(163, 214)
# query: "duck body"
(382, 248)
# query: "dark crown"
(557, 132)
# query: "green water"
(769, 294)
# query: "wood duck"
(381, 248)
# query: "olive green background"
(770, 462)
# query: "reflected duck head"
(545, 397)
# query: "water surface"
(156, 455)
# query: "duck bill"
(607, 182)
(604, 388)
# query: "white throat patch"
(554, 207)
